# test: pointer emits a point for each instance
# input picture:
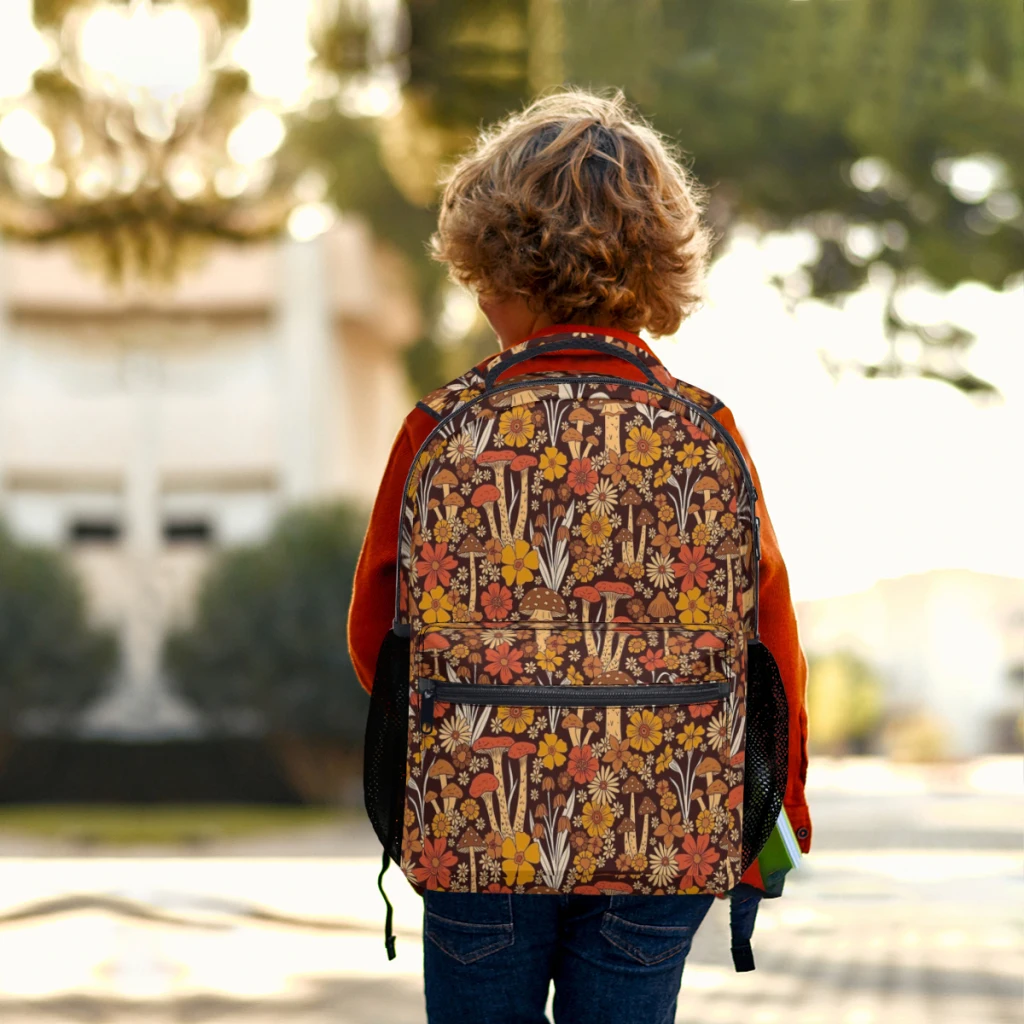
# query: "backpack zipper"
(402, 629)
(564, 696)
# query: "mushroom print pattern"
(566, 543)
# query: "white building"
(142, 430)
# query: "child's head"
(580, 209)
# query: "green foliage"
(52, 662)
(269, 632)
(844, 703)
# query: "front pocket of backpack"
(613, 778)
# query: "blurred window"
(94, 531)
(188, 531)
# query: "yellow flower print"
(436, 606)
(644, 731)
(597, 818)
(551, 750)
(690, 455)
(663, 474)
(701, 534)
(583, 569)
(585, 865)
(515, 719)
(690, 737)
(595, 530)
(664, 760)
(518, 560)
(705, 822)
(643, 446)
(693, 607)
(574, 675)
(552, 464)
(516, 427)
(443, 531)
(548, 660)
(520, 854)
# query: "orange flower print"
(496, 602)
(597, 818)
(503, 661)
(643, 446)
(552, 464)
(693, 607)
(493, 841)
(436, 565)
(644, 731)
(516, 427)
(436, 606)
(582, 764)
(411, 842)
(493, 547)
(617, 752)
(692, 567)
(671, 825)
(696, 860)
(520, 854)
(653, 659)
(518, 562)
(667, 538)
(615, 466)
(582, 477)
(436, 861)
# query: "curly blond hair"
(577, 205)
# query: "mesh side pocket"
(387, 738)
(767, 755)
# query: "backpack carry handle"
(566, 343)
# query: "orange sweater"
(373, 595)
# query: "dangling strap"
(389, 935)
(742, 912)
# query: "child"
(572, 215)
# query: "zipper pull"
(426, 688)
(757, 535)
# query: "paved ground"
(909, 911)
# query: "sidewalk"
(907, 912)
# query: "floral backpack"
(573, 697)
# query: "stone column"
(306, 340)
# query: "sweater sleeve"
(373, 591)
(778, 627)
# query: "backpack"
(573, 697)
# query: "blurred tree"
(893, 130)
(844, 704)
(267, 644)
(52, 663)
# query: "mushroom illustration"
(613, 715)
(661, 607)
(586, 890)
(624, 635)
(482, 786)
(542, 605)
(647, 808)
(430, 797)
(632, 786)
(612, 412)
(486, 495)
(610, 887)
(452, 503)
(574, 439)
(520, 752)
(716, 791)
(589, 596)
(707, 485)
(631, 499)
(707, 768)
(575, 726)
(644, 519)
(443, 770)
(471, 843)
(495, 747)
(497, 460)
(522, 464)
(435, 643)
(592, 728)
(627, 829)
(735, 803)
(709, 642)
(581, 418)
(471, 548)
(446, 480)
(432, 506)
(728, 550)
(611, 591)
(449, 795)
(590, 441)
(698, 795)
(711, 508)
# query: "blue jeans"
(488, 959)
